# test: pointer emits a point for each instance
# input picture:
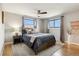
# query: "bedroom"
(39, 21)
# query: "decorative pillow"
(24, 31)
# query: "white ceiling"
(30, 9)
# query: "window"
(51, 24)
(30, 23)
(57, 23)
(54, 23)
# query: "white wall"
(45, 25)
(1, 38)
(38, 29)
(67, 26)
(13, 23)
(40, 25)
(1, 34)
(56, 33)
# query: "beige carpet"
(24, 50)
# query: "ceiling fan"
(40, 12)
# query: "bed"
(39, 41)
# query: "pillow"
(24, 31)
(29, 32)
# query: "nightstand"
(17, 39)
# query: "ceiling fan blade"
(39, 12)
(43, 13)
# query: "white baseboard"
(8, 42)
(72, 43)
